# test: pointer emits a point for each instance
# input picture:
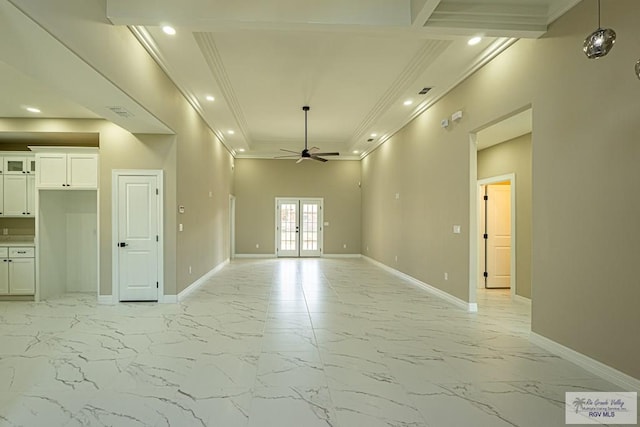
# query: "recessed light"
(231, 132)
(373, 135)
(169, 30)
(474, 40)
(32, 110)
(408, 102)
(355, 151)
(210, 98)
(241, 150)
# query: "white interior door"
(498, 236)
(138, 228)
(299, 227)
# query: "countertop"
(15, 241)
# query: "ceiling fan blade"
(320, 159)
(327, 154)
(290, 151)
(300, 159)
(288, 156)
(314, 149)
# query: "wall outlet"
(396, 258)
(210, 194)
(257, 245)
(367, 248)
(189, 269)
(397, 196)
(344, 246)
(446, 276)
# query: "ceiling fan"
(307, 153)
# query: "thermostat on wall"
(181, 209)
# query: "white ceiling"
(354, 63)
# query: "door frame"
(511, 179)
(232, 226)
(320, 223)
(115, 270)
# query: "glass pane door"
(287, 228)
(310, 219)
(299, 227)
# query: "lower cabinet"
(17, 271)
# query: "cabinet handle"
(22, 252)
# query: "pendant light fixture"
(600, 42)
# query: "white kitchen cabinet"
(31, 195)
(4, 271)
(15, 196)
(17, 271)
(73, 170)
(18, 164)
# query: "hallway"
(282, 342)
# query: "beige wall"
(514, 156)
(120, 149)
(585, 203)
(201, 164)
(259, 182)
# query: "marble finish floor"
(304, 343)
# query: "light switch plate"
(456, 229)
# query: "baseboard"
(254, 256)
(522, 299)
(201, 281)
(168, 299)
(106, 300)
(468, 306)
(341, 256)
(626, 382)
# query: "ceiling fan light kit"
(600, 42)
(307, 153)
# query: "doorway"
(137, 235)
(299, 227)
(232, 226)
(496, 238)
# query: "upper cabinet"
(67, 168)
(17, 182)
(18, 164)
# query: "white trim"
(511, 178)
(341, 256)
(168, 299)
(521, 299)
(115, 267)
(106, 300)
(199, 282)
(627, 382)
(468, 306)
(256, 256)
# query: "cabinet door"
(15, 165)
(31, 195)
(1, 196)
(52, 170)
(4, 276)
(22, 277)
(82, 170)
(31, 164)
(15, 195)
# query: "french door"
(298, 227)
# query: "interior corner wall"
(585, 202)
(259, 182)
(514, 156)
(200, 166)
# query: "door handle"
(122, 244)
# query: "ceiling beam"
(421, 10)
(208, 14)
